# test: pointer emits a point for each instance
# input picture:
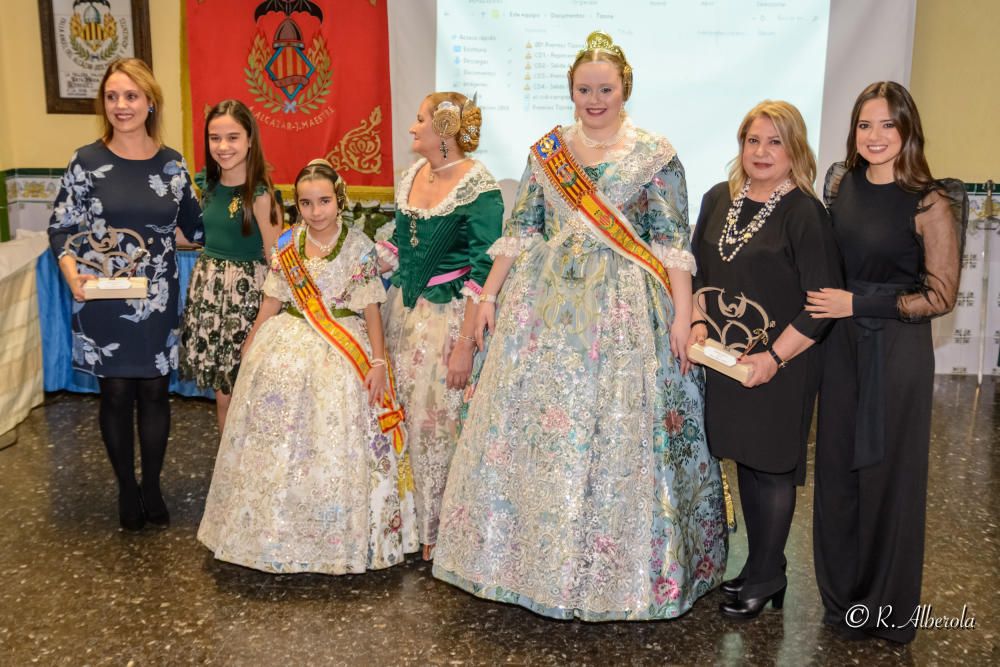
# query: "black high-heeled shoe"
(130, 514)
(732, 587)
(751, 607)
(155, 508)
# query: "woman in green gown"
(448, 213)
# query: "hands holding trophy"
(115, 266)
(721, 353)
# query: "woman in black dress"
(901, 242)
(764, 234)
(128, 180)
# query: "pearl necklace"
(731, 236)
(323, 249)
(594, 143)
(434, 170)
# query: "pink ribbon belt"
(448, 277)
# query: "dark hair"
(142, 76)
(256, 165)
(320, 169)
(910, 168)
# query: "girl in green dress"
(448, 213)
(241, 226)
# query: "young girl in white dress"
(312, 474)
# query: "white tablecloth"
(20, 336)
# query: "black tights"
(768, 502)
(118, 398)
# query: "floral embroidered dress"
(582, 485)
(440, 256)
(305, 480)
(133, 338)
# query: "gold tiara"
(601, 41)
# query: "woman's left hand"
(830, 303)
(680, 330)
(460, 363)
(375, 384)
(763, 368)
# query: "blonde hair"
(139, 72)
(470, 118)
(792, 132)
(600, 48)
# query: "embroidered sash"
(310, 305)
(582, 194)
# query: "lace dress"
(582, 485)
(305, 481)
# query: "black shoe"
(130, 514)
(155, 508)
(732, 587)
(751, 607)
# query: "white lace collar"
(475, 182)
(641, 156)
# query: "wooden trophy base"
(116, 288)
(716, 356)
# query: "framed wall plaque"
(80, 38)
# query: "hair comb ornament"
(447, 119)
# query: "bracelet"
(778, 360)
(487, 298)
(378, 362)
(697, 322)
(464, 337)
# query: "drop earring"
(621, 112)
(444, 149)
(150, 108)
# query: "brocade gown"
(422, 321)
(305, 481)
(582, 485)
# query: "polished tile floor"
(74, 590)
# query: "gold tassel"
(730, 510)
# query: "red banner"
(314, 73)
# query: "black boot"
(751, 607)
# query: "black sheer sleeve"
(940, 225)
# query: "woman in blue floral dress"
(128, 180)
(582, 485)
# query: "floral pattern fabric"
(223, 300)
(582, 485)
(127, 337)
(305, 481)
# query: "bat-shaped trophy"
(720, 353)
(114, 265)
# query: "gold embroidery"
(360, 149)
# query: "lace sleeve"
(940, 224)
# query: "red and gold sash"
(310, 304)
(572, 183)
